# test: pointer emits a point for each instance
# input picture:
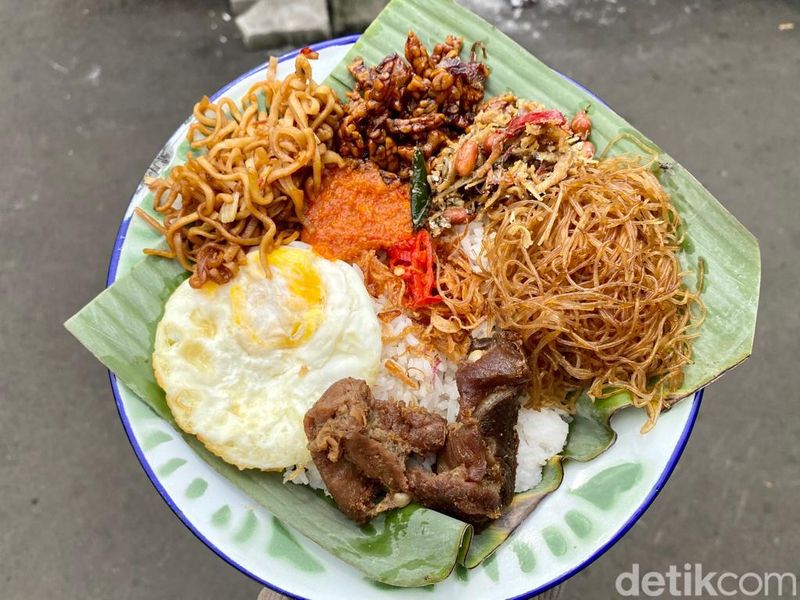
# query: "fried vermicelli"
(588, 275)
(253, 166)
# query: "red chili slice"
(517, 124)
(415, 256)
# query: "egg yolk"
(287, 312)
(299, 273)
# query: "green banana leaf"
(488, 540)
(729, 252)
(413, 546)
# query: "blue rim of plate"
(148, 469)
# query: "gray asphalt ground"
(89, 91)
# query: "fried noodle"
(252, 167)
(588, 275)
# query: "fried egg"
(241, 363)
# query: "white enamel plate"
(594, 507)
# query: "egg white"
(241, 363)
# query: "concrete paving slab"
(240, 6)
(353, 16)
(273, 23)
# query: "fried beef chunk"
(366, 449)
(360, 446)
(400, 104)
(476, 470)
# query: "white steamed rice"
(542, 433)
(433, 374)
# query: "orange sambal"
(357, 209)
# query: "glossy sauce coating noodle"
(254, 163)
